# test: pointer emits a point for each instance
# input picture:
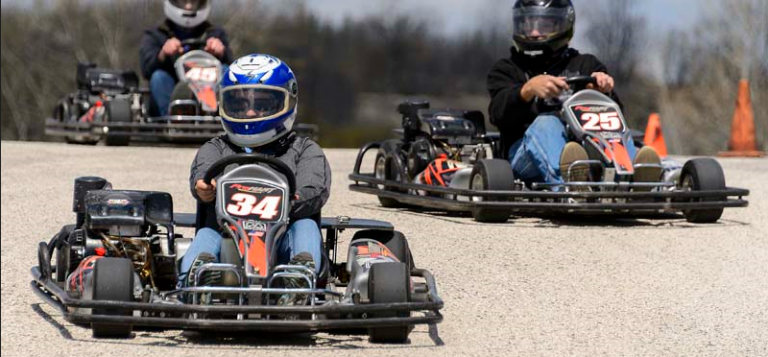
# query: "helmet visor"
(253, 103)
(540, 24)
(189, 5)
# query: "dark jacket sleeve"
(504, 85)
(313, 181)
(218, 32)
(151, 44)
(208, 154)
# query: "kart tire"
(44, 261)
(118, 111)
(386, 169)
(389, 283)
(62, 252)
(74, 141)
(394, 241)
(491, 175)
(702, 175)
(112, 279)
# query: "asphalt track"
(531, 287)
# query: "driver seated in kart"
(522, 87)
(259, 99)
(185, 19)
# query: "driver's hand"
(604, 82)
(206, 192)
(544, 87)
(215, 47)
(171, 48)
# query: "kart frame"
(172, 127)
(185, 316)
(620, 201)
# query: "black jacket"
(508, 111)
(302, 155)
(154, 39)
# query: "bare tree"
(727, 44)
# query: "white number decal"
(592, 121)
(267, 208)
(604, 121)
(202, 74)
(246, 205)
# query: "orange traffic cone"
(654, 136)
(742, 143)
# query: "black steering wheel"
(193, 43)
(244, 159)
(580, 82)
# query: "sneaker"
(303, 259)
(647, 155)
(211, 278)
(571, 153)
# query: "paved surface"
(532, 287)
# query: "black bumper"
(618, 201)
(171, 128)
(177, 316)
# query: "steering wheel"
(580, 82)
(193, 43)
(243, 159)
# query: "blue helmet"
(258, 100)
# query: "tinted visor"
(540, 24)
(189, 5)
(252, 103)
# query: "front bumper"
(182, 316)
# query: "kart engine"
(126, 224)
(421, 153)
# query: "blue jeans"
(161, 86)
(302, 236)
(536, 157)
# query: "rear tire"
(112, 280)
(389, 283)
(491, 175)
(394, 241)
(118, 111)
(702, 175)
(386, 169)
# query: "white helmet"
(187, 13)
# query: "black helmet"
(542, 27)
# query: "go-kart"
(410, 171)
(109, 104)
(116, 268)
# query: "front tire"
(394, 241)
(112, 280)
(387, 169)
(703, 175)
(491, 175)
(389, 283)
(118, 111)
(62, 253)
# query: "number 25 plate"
(598, 118)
